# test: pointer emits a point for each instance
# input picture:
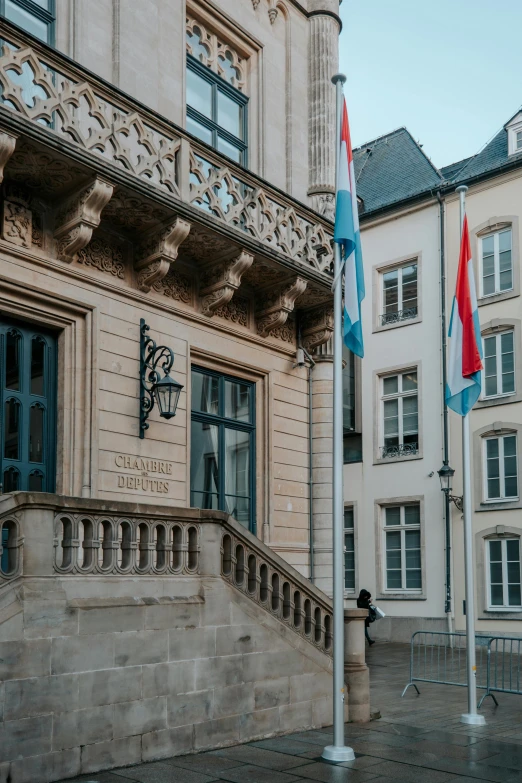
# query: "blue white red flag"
(347, 234)
(465, 359)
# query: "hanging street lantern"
(153, 388)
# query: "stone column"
(322, 465)
(323, 63)
(356, 671)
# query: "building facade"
(396, 521)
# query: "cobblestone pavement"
(418, 739)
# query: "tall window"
(27, 409)
(504, 572)
(403, 547)
(497, 267)
(518, 137)
(216, 111)
(222, 466)
(349, 550)
(499, 364)
(352, 440)
(35, 16)
(400, 419)
(501, 473)
(399, 294)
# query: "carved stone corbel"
(278, 306)
(17, 218)
(78, 216)
(157, 251)
(7, 147)
(317, 327)
(221, 280)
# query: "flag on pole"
(465, 359)
(347, 234)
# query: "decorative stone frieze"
(317, 327)
(221, 280)
(103, 256)
(157, 251)
(237, 311)
(217, 55)
(7, 147)
(278, 305)
(78, 216)
(175, 286)
(17, 221)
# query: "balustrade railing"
(39, 84)
(402, 450)
(398, 316)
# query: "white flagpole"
(471, 716)
(338, 751)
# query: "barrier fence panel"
(504, 664)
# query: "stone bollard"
(356, 671)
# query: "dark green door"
(27, 408)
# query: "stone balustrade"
(41, 86)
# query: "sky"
(448, 70)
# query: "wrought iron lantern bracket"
(154, 358)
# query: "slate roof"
(393, 168)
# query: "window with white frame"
(402, 535)
(349, 549)
(37, 17)
(503, 556)
(501, 467)
(496, 261)
(518, 140)
(399, 294)
(400, 416)
(499, 364)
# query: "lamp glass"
(167, 391)
(445, 474)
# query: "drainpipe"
(311, 364)
(447, 502)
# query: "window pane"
(237, 401)
(237, 463)
(37, 366)
(506, 279)
(204, 467)
(488, 245)
(36, 430)
(495, 551)
(492, 448)
(497, 595)
(12, 361)
(349, 562)
(36, 482)
(409, 287)
(12, 430)
(493, 488)
(199, 93)
(390, 385)
(412, 515)
(513, 572)
(488, 285)
(391, 291)
(205, 393)
(199, 130)
(26, 20)
(414, 579)
(393, 515)
(412, 539)
(348, 517)
(514, 595)
(230, 150)
(513, 550)
(504, 241)
(511, 490)
(393, 579)
(409, 381)
(496, 572)
(510, 446)
(229, 114)
(11, 480)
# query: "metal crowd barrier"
(440, 657)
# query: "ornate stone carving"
(104, 257)
(42, 170)
(7, 147)
(37, 230)
(78, 216)
(157, 251)
(236, 311)
(217, 55)
(324, 203)
(278, 305)
(221, 281)
(272, 14)
(286, 332)
(255, 3)
(135, 213)
(17, 222)
(175, 286)
(317, 327)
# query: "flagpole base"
(338, 753)
(473, 719)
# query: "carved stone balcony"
(91, 159)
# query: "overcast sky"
(449, 70)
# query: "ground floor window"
(349, 549)
(27, 408)
(222, 470)
(504, 572)
(403, 547)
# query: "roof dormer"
(514, 132)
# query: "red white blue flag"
(465, 359)
(347, 234)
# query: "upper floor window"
(501, 467)
(497, 267)
(499, 365)
(216, 102)
(35, 16)
(402, 532)
(503, 571)
(352, 439)
(222, 470)
(27, 409)
(518, 140)
(349, 549)
(400, 417)
(399, 294)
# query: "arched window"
(503, 572)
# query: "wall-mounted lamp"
(164, 391)
(446, 474)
